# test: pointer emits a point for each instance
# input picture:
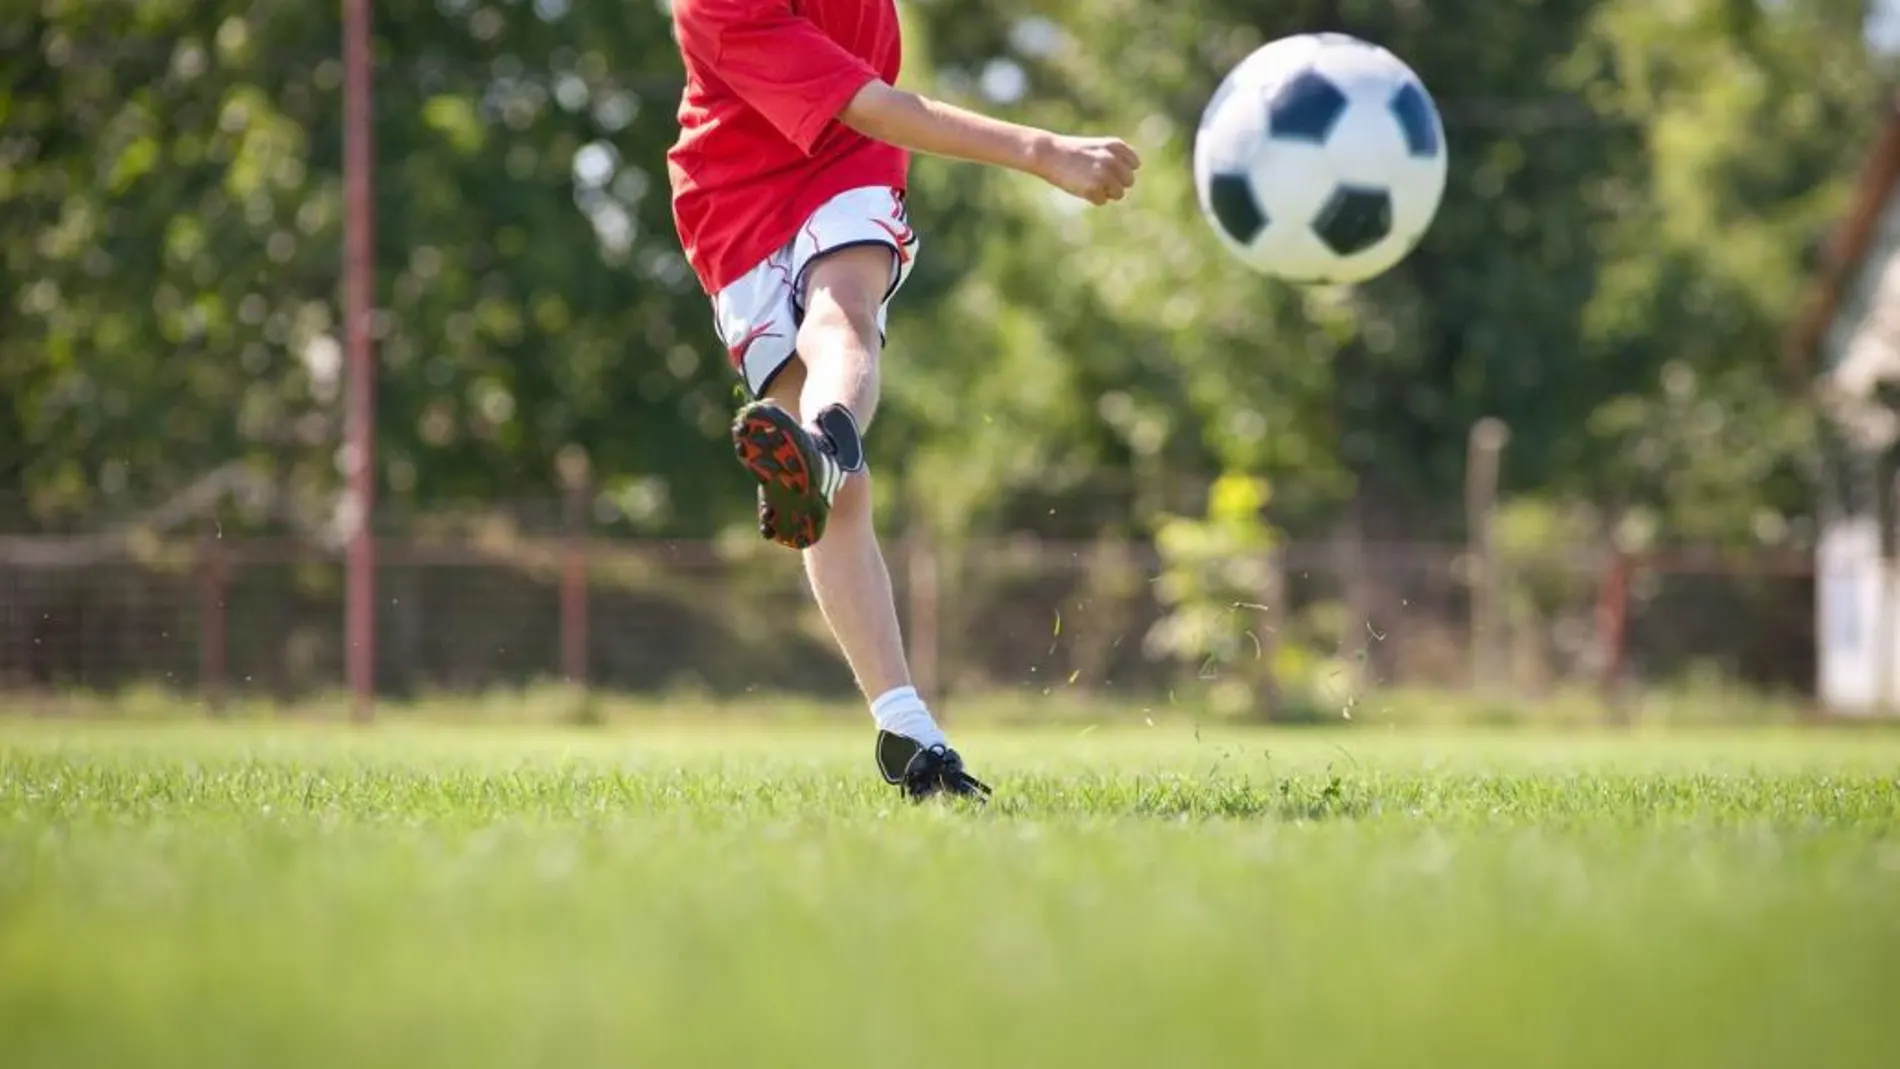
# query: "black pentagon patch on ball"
(1306, 108)
(1414, 113)
(1354, 219)
(1236, 207)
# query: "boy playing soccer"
(788, 181)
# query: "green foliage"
(1635, 190)
(1218, 578)
(172, 221)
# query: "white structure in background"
(1847, 592)
(1853, 333)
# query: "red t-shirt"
(760, 147)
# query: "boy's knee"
(843, 310)
(845, 289)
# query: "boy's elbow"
(870, 110)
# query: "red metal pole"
(574, 614)
(1613, 599)
(574, 588)
(214, 583)
(359, 624)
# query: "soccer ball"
(1320, 159)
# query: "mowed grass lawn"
(409, 896)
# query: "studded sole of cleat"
(765, 446)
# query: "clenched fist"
(1096, 169)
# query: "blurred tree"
(1615, 251)
(1634, 190)
(172, 219)
(1753, 121)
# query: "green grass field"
(187, 895)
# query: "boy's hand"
(1096, 169)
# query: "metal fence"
(220, 615)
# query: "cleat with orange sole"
(796, 477)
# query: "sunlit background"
(1094, 416)
(1427, 674)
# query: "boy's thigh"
(868, 217)
(758, 315)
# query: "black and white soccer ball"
(1320, 160)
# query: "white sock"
(901, 712)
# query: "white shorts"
(758, 315)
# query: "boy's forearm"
(916, 123)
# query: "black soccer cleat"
(926, 771)
(798, 472)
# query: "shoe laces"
(940, 766)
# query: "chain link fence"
(479, 607)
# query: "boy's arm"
(1097, 169)
(800, 80)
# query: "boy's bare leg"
(832, 391)
(839, 347)
(848, 573)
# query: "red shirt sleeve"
(780, 63)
